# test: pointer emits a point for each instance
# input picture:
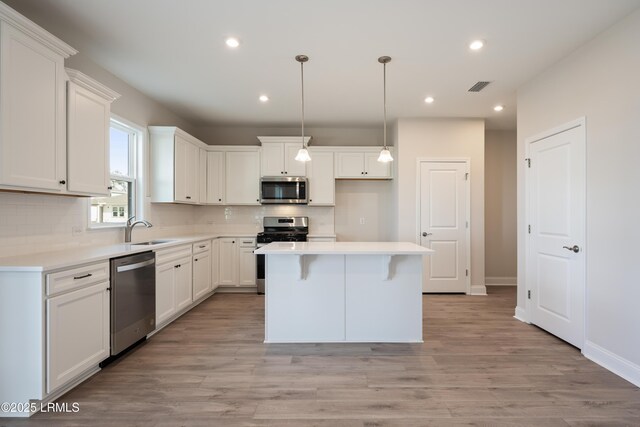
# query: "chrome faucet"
(128, 228)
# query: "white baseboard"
(478, 290)
(521, 314)
(614, 363)
(501, 281)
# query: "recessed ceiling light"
(498, 108)
(263, 98)
(476, 45)
(232, 42)
(429, 100)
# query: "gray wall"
(326, 135)
(500, 207)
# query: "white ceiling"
(174, 51)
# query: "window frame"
(136, 142)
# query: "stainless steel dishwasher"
(133, 299)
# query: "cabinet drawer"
(171, 254)
(76, 278)
(246, 242)
(201, 246)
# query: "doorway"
(444, 224)
(556, 221)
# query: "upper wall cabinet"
(175, 165)
(88, 116)
(242, 176)
(215, 177)
(360, 163)
(278, 155)
(32, 105)
(322, 185)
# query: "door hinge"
(529, 228)
(529, 294)
(466, 176)
(466, 272)
(528, 160)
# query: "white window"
(115, 209)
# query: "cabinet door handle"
(233, 241)
(202, 246)
(62, 181)
(361, 173)
(188, 197)
(82, 277)
(366, 173)
(176, 266)
(219, 200)
(195, 259)
(109, 188)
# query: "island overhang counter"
(343, 291)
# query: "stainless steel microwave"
(284, 190)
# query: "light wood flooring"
(477, 366)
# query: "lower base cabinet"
(78, 338)
(237, 263)
(201, 270)
(174, 275)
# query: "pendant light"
(385, 154)
(303, 153)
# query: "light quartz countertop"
(50, 261)
(343, 248)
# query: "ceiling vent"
(478, 86)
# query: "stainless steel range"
(279, 229)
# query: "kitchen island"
(343, 291)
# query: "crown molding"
(91, 85)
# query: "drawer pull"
(202, 246)
(82, 277)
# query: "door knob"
(425, 234)
(574, 248)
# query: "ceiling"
(174, 51)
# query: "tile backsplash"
(31, 223)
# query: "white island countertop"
(343, 248)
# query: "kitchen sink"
(151, 242)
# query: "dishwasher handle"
(135, 266)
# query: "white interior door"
(556, 213)
(444, 225)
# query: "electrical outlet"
(76, 230)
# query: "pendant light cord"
(302, 80)
(384, 95)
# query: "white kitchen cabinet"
(360, 163)
(322, 184)
(215, 264)
(165, 292)
(228, 262)
(215, 177)
(184, 287)
(242, 177)
(174, 278)
(78, 333)
(187, 163)
(202, 176)
(278, 156)
(237, 263)
(246, 261)
(201, 269)
(175, 165)
(32, 106)
(88, 121)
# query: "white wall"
(500, 207)
(599, 81)
(440, 138)
(364, 210)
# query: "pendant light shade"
(303, 153)
(385, 154)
